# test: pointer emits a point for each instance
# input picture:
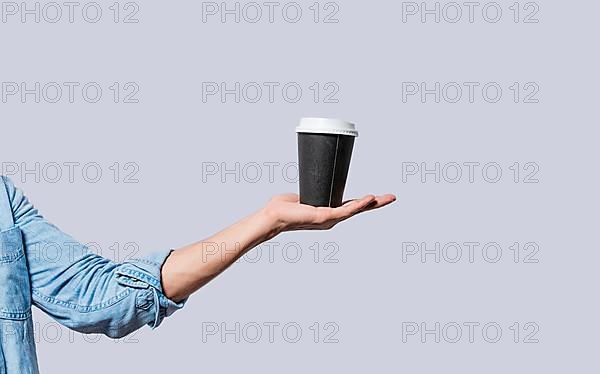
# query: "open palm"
(292, 215)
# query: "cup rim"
(319, 125)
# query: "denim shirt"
(81, 290)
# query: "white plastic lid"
(327, 126)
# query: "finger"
(354, 206)
(348, 201)
(380, 201)
(354, 201)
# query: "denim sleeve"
(83, 290)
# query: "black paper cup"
(324, 153)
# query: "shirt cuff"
(141, 272)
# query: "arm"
(192, 266)
(82, 290)
(91, 294)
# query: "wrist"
(273, 221)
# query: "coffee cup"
(324, 151)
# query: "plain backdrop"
(352, 303)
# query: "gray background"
(370, 292)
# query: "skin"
(189, 268)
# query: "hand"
(290, 215)
(191, 267)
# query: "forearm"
(191, 267)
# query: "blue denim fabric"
(41, 265)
